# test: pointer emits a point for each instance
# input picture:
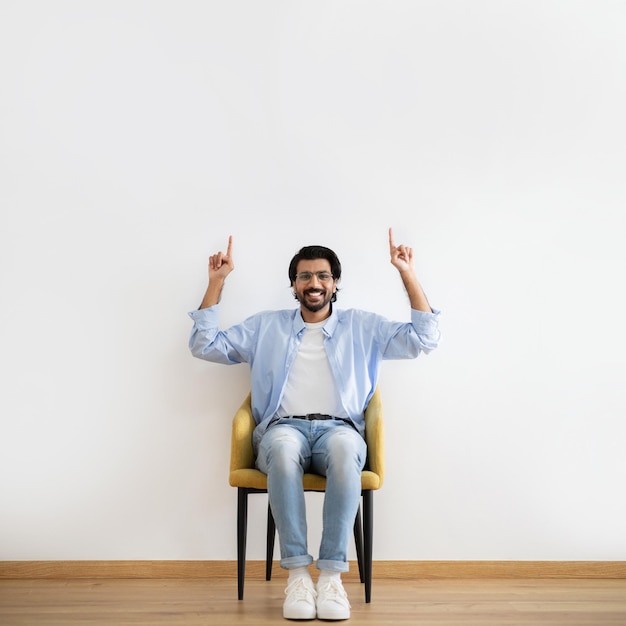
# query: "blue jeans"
(331, 448)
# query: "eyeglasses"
(305, 277)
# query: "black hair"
(309, 253)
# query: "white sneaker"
(300, 601)
(332, 601)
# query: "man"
(313, 370)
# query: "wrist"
(216, 281)
(408, 276)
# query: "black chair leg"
(368, 533)
(358, 541)
(242, 530)
(271, 536)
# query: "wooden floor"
(214, 601)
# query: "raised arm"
(220, 266)
(402, 260)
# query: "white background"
(135, 136)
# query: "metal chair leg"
(242, 531)
(271, 536)
(358, 541)
(368, 533)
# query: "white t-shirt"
(310, 386)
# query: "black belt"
(313, 416)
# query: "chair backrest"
(375, 435)
(241, 452)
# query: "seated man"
(313, 370)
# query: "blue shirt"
(355, 341)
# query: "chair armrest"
(241, 452)
(375, 435)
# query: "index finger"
(392, 245)
(230, 246)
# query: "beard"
(317, 304)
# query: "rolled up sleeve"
(426, 325)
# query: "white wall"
(136, 136)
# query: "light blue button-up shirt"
(355, 341)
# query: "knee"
(347, 450)
(281, 453)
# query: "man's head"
(314, 273)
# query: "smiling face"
(314, 294)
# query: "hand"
(220, 264)
(401, 256)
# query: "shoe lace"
(333, 590)
(299, 590)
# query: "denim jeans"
(331, 448)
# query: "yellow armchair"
(248, 479)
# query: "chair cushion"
(255, 479)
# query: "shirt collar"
(329, 327)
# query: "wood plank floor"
(214, 601)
